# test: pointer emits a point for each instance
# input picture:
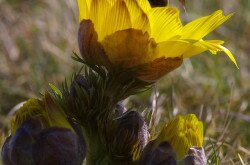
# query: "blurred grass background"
(37, 38)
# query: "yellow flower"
(131, 34)
(182, 133)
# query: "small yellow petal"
(139, 18)
(199, 28)
(117, 18)
(129, 48)
(196, 48)
(219, 42)
(144, 4)
(83, 9)
(213, 46)
(229, 54)
(112, 2)
(165, 23)
(175, 48)
(98, 12)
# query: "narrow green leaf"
(55, 90)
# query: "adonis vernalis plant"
(126, 46)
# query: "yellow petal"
(220, 42)
(213, 47)
(129, 48)
(112, 2)
(199, 28)
(172, 48)
(117, 18)
(139, 18)
(83, 9)
(144, 4)
(165, 23)
(98, 14)
(229, 54)
(196, 48)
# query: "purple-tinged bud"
(31, 144)
(119, 110)
(154, 154)
(130, 136)
(80, 81)
(133, 122)
(196, 156)
(5, 152)
(17, 149)
(57, 145)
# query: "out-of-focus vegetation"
(37, 38)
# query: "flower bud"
(5, 152)
(46, 110)
(119, 110)
(134, 123)
(154, 154)
(57, 145)
(33, 145)
(80, 81)
(17, 148)
(130, 135)
(42, 134)
(196, 156)
(182, 133)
